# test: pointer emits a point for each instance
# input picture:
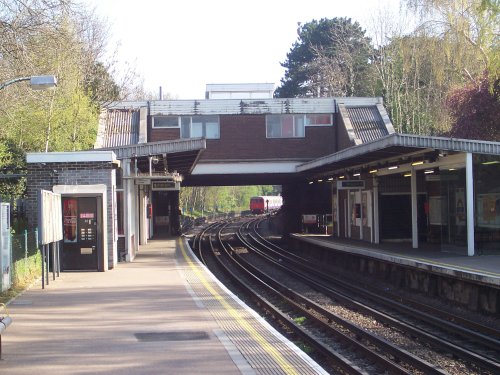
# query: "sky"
(182, 45)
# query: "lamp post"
(36, 82)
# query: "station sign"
(350, 184)
(165, 185)
(142, 181)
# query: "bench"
(5, 321)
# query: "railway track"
(347, 347)
(448, 333)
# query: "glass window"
(285, 126)
(273, 126)
(318, 119)
(166, 122)
(200, 126)
(196, 130)
(299, 130)
(119, 212)
(185, 127)
(487, 204)
(212, 130)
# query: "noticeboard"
(5, 253)
(50, 217)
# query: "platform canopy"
(177, 155)
(395, 148)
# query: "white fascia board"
(70, 157)
(244, 168)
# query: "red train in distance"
(261, 204)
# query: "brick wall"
(45, 176)
(244, 137)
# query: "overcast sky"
(182, 45)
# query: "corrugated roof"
(367, 123)
(396, 145)
(118, 127)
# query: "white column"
(361, 214)
(349, 207)
(338, 213)
(376, 224)
(414, 218)
(127, 210)
(143, 227)
(469, 191)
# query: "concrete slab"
(143, 317)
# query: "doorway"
(82, 233)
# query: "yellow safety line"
(283, 363)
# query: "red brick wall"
(156, 135)
(244, 137)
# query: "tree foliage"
(470, 25)
(222, 198)
(330, 58)
(61, 38)
(453, 44)
(475, 110)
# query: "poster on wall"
(488, 209)
(70, 220)
(438, 209)
(460, 207)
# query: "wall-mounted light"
(320, 180)
(341, 177)
(330, 179)
(393, 167)
(419, 162)
(407, 175)
(373, 171)
(311, 182)
(357, 174)
(429, 171)
(490, 162)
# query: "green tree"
(469, 25)
(331, 57)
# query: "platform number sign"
(5, 250)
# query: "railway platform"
(481, 268)
(164, 313)
(470, 282)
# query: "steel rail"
(304, 264)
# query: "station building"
(333, 156)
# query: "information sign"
(350, 184)
(5, 249)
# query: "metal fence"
(26, 263)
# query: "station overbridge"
(335, 158)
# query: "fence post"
(25, 250)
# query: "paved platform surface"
(483, 268)
(161, 314)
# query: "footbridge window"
(200, 126)
(191, 126)
(293, 126)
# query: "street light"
(36, 82)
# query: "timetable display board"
(5, 248)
